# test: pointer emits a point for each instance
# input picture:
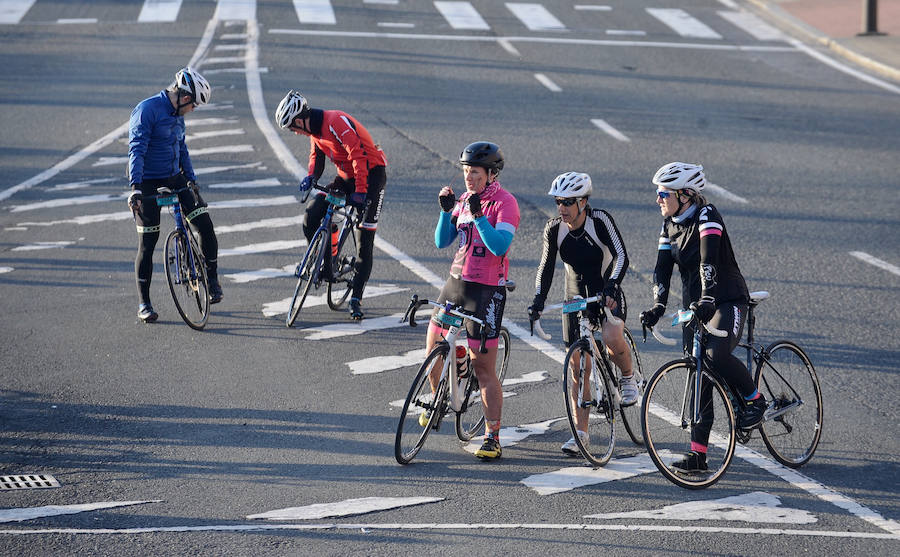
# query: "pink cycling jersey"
(474, 262)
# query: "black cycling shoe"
(753, 413)
(356, 312)
(691, 462)
(215, 291)
(146, 313)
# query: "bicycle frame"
(335, 203)
(168, 198)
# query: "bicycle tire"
(308, 275)
(410, 435)
(465, 431)
(666, 419)
(191, 295)
(339, 290)
(788, 380)
(601, 412)
(631, 415)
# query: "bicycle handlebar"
(536, 324)
(681, 317)
(415, 303)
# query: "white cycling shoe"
(628, 387)
(570, 447)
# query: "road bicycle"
(791, 426)
(184, 263)
(330, 257)
(457, 389)
(587, 365)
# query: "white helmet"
(680, 176)
(293, 105)
(571, 184)
(191, 82)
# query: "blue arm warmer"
(498, 241)
(444, 232)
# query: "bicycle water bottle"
(462, 362)
(335, 237)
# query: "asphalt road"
(199, 431)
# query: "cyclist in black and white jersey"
(590, 246)
(694, 236)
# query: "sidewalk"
(837, 24)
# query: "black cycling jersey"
(594, 255)
(698, 241)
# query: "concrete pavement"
(838, 24)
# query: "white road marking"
(567, 479)
(219, 133)
(281, 306)
(844, 68)
(753, 25)
(390, 2)
(353, 328)
(261, 274)
(222, 149)
(462, 15)
(223, 60)
(508, 47)
(510, 436)
(211, 121)
(228, 47)
(215, 169)
(30, 513)
(863, 256)
(235, 10)
(347, 507)
(159, 10)
(722, 192)
(12, 11)
(254, 202)
(261, 183)
(592, 8)
(547, 82)
(107, 161)
(43, 245)
(414, 266)
(626, 32)
(275, 222)
(611, 131)
(535, 16)
(6, 270)
(263, 247)
(683, 23)
(533, 377)
(82, 184)
(76, 20)
(315, 11)
(380, 364)
(396, 25)
(752, 507)
(84, 200)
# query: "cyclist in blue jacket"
(158, 156)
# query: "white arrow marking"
(30, 513)
(567, 479)
(352, 329)
(250, 276)
(533, 377)
(347, 507)
(751, 507)
(281, 306)
(510, 436)
(379, 364)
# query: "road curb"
(812, 34)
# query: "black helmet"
(484, 154)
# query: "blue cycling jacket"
(156, 146)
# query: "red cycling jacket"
(347, 143)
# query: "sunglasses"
(567, 202)
(663, 194)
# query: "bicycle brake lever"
(412, 304)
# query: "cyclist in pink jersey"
(483, 222)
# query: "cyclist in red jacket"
(360, 173)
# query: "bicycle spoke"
(420, 401)
(631, 415)
(589, 404)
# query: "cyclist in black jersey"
(595, 259)
(693, 235)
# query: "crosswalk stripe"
(462, 15)
(159, 10)
(535, 16)
(753, 25)
(315, 11)
(231, 10)
(12, 11)
(683, 23)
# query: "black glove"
(134, 200)
(194, 187)
(704, 309)
(358, 199)
(475, 205)
(651, 317)
(447, 200)
(535, 309)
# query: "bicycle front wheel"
(793, 423)
(186, 275)
(344, 265)
(470, 421)
(586, 391)
(307, 274)
(421, 402)
(667, 423)
(631, 415)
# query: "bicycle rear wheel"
(308, 274)
(344, 265)
(420, 400)
(793, 425)
(186, 275)
(631, 415)
(666, 423)
(585, 371)
(470, 421)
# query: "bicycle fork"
(193, 277)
